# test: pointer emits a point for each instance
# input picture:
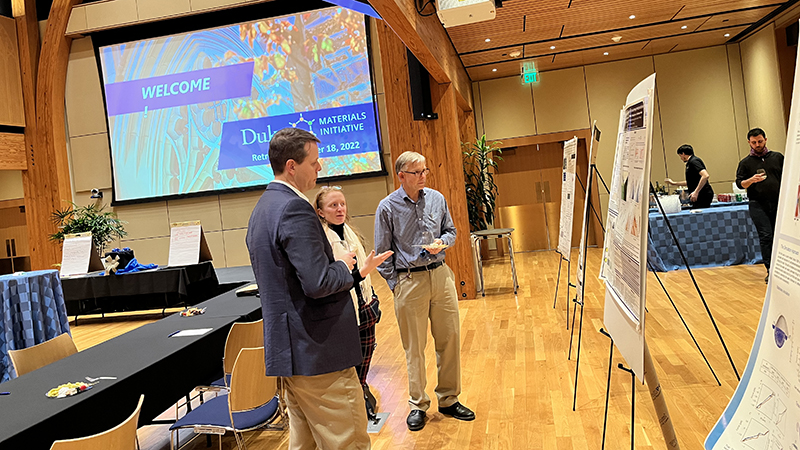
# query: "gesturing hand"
(373, 261)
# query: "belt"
(429, 267)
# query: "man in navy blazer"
(310, 329)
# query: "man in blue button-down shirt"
(415, 223)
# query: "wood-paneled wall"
(10, 83)
(439, 140)
(12, 151)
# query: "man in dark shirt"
(696, 178)
(760, 173)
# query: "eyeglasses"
(426, 171)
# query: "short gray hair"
(407, 158)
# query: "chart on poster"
(567, 197)
(764, 412)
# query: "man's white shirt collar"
(296, 191)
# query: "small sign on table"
(187, 244)
(78, 255)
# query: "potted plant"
(480, 163)
(104, 225)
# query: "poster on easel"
(79, 256)
(625, 246)
(567, 197)
(764, 411)
(581, 276)
(187, 244)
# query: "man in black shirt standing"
(760, 173)
(696, 178)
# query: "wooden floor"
(516, 375)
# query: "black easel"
(558, 281)
(633, 400)
(686, 262)
(593, 170)
(608, 384)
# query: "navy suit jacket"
(310, 325)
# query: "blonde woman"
(332, 210)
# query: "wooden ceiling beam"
(430, 44)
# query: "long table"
(161, 288)
(720, 236)
(145, 361)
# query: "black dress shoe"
(416, 420)
(458, 411)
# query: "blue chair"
(252, 402)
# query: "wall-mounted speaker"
(420, 81)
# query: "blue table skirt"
(32, 311)
(721, 236)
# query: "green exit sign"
(529, 73)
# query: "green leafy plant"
(104, 225)
(480, 164)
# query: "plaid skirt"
(368, 314)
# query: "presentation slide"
(194, 112)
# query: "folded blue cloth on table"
(134, 266)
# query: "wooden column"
(447, 176)
(439, 140)
(403, 133)
(46, 181)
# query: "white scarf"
(361, 257)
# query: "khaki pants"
(419, 297)
(326, 412)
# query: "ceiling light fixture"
(605, 53)
(515, 54)
(684, 27)
(552, 47)
(494, 70)
(616, 38)
(727, 35)
(631, 16)
(488, 40)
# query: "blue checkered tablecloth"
(722, 236)
(32, 311)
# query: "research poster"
(567, 197)
(625, 247)
(764, 412)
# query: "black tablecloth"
(145, 361)
(227, 305)
(165, 287)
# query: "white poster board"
(581, 276)
(187, 244)
(78, 255)
(567, 197)
(625, 247)
(764, 412)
